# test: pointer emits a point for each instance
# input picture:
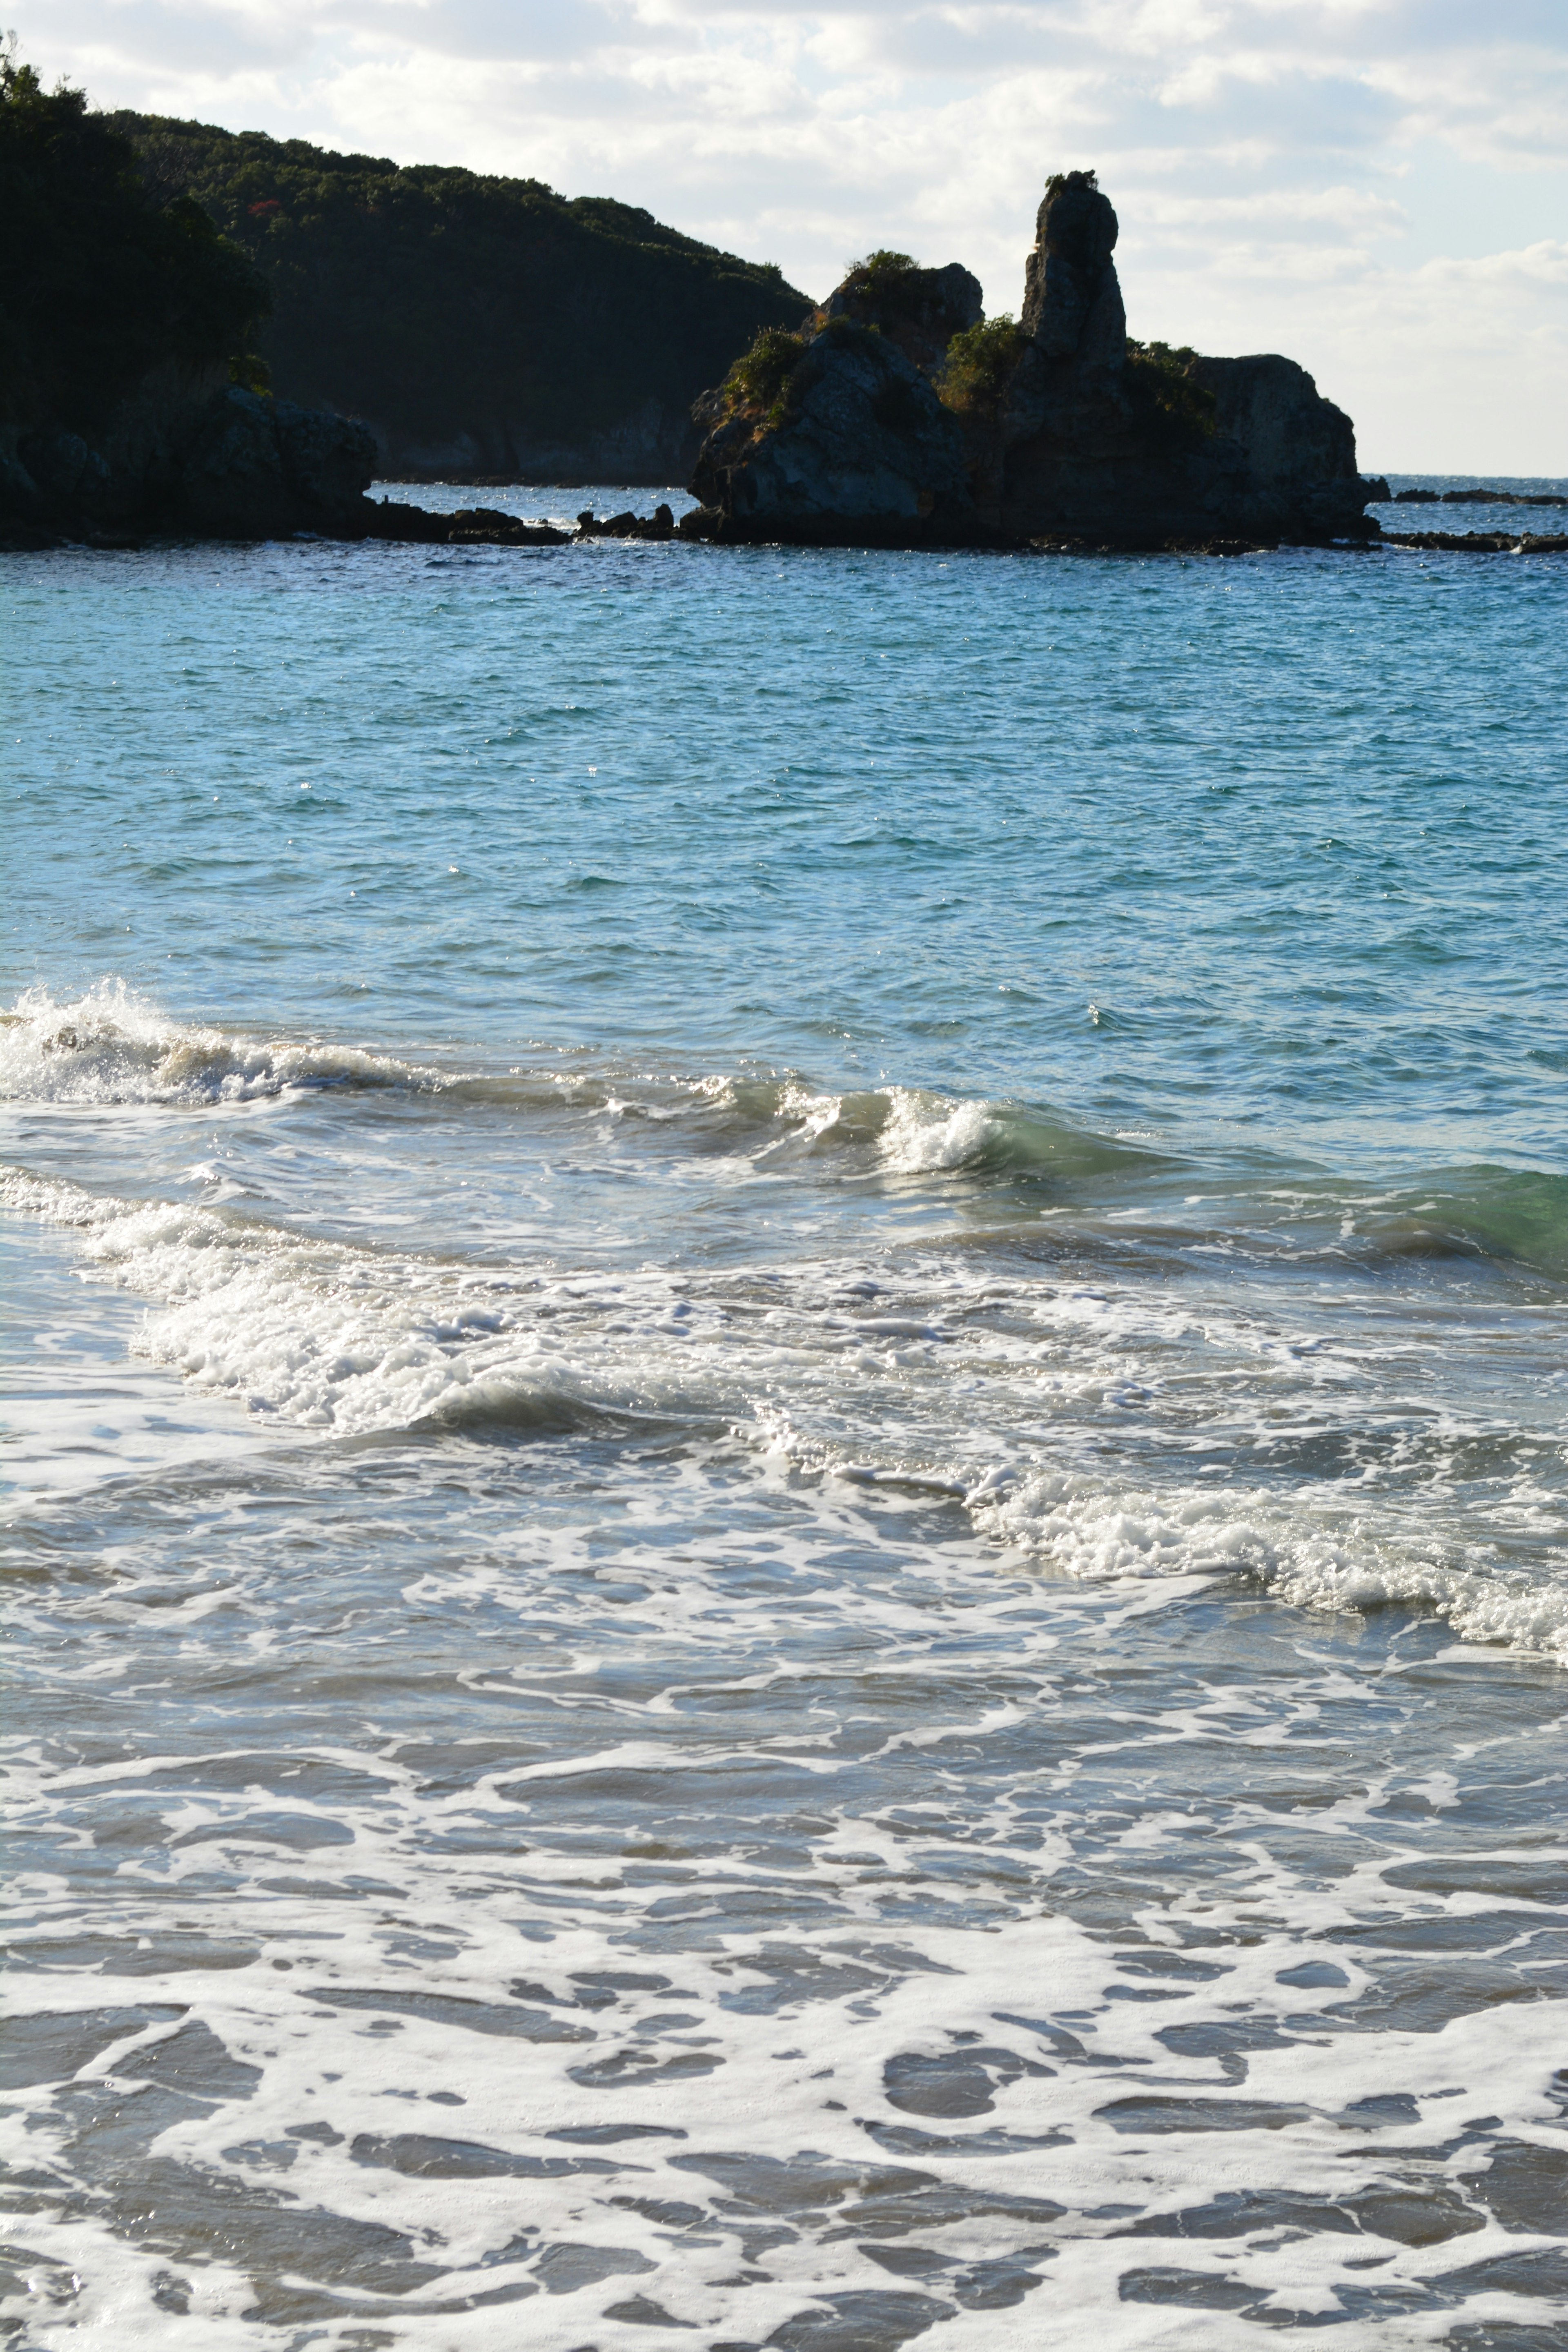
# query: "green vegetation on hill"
(103, 274)
(476, 322)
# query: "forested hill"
(483, 327)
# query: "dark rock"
(1500, 497)
(18, 537)
(400, 525)
(660, 524)
(1415, 497)
(407, 526)
(1478, 542)
(850, 446)
(259, 469)
(489, 527)
(186, 452)
(1058, 432)
(1298, 449)
(66, 471)
(328, 460)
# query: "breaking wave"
(1086, 1532)
(109, 1046)
(926, 1382)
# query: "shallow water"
(788, 1468)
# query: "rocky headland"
(141, 345)
(897, 416)
(488, 330)
(131, 398)
(186, 454)
(135, 400)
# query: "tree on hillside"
(439, 301)
(102, 274)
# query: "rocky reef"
(897, 414)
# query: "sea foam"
(914, 1376)
(112, 1046)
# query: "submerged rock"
(867, 425)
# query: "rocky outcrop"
(842, 436)
(1479, 542)
(921, 310)
(188, 454)
(660, 524)
(1479, 497)
(1072, 301)
(1059, 431)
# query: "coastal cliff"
(130, 399)
(188, 454)
(486, 329)
(896, 414)
(161, 281)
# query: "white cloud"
(1376, 186)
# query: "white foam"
(1091, 1531)
(926, 1133)
(818, 1796)
(920, 1377)
(111, 1046)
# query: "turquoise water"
(788, 1398)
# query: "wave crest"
(1084, 1529)
(110, 1047)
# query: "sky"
(1378, 187)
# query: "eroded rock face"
(190, 452)
(1062, 430)
(1072, 298)
(1299, 448)
(256, 466)
(854, 443)
(919, 309)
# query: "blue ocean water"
(788, 1403)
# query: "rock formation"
(895, 413)
(842, 431)
(486, 329)
(189, 454)
(919, 309)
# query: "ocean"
(785, 1471)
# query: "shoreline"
(467, 529)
